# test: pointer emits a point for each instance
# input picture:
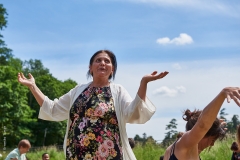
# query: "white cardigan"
(127, 111)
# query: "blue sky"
(198, 42)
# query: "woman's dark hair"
(234, 146)
(131, 142)
(113, 60)
(216, 130)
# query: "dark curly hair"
(216, 130)
(234, 146)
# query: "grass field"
(150, 151)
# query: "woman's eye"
(98, 60)
(107, 61)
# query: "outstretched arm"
(148, 78)
(30, 83)
(208, 116)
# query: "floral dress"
(94, 132)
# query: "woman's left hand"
(154, 76)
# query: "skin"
(101, 68)
(193, 142)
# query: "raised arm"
(148, 78)
(208, 116)
(30, 83)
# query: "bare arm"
(208, 116)
(148, 78)
(30, 83)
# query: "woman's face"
(101, 66)
(206, 142)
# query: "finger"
(162, 74)
(165, 73)
(19, 77)
(22, 75)
(223, 123)
(236, 100)
(30, 75)
(228, 98)
(154, 73)
(236, 94)
(221, 120)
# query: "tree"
(223, 114)
(232, 125)
(15, 112)
(53, 88)
(5, 53)
(171, 134)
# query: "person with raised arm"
(203, 128)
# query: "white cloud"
(176, 66)
(181, 40)
(181, 89)
(165, 91)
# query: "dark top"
(235, 156)
(172, 156)
(94, 131)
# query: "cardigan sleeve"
(136, 110)
(57, 109)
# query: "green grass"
(220, 150)
(150, 151)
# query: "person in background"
(97, 112)
(235, 146)
(45, 156)
(19, 153)
(131, 142)
(203, 128)
(236, 151)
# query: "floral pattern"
(94, 132)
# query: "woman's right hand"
(232, 93)
(26, 82)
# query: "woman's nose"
(102, 63)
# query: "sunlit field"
(149, 151)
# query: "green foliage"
(223, 114)
(5, 53)
(53, 152)
(171, 135)
(15, 113)
(149, 151)
(3, 17)
(53, 88)
(232, 125)
(220, 150)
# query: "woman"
(202, 128)
(97, 112)
(236, 151)
(235, 146)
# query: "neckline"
(91, 86)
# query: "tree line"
(18, 108)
